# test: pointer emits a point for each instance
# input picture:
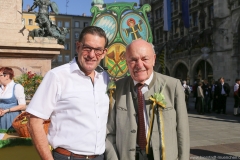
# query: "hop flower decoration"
(30, 81)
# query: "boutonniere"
(159, 98)
(159, 103)
(111, 87)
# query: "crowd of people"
(212, 97)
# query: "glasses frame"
(89, 49)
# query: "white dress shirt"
(78, 109)
(144, 90)
(8, 92)
(223, 91)
(236, 86)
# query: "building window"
(176, 26)
(190, 20)
(210, 12)
(30, 22)
(59, 23)
(76, 24)
(157, 15)
(60, 58)
(176, 4)
(85, 24)
(172, 6)
(66, 46)
(66, 24)
(76, 35)
(157, 35)
(23, 21)
(67, 36)
(66, 58)
(195, 19)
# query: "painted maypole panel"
(123, 23)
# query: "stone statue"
(47, 28)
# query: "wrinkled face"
(90, 52)
(140, 59)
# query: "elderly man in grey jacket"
(149, 119)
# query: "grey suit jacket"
(122, 124)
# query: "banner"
(185, 13)
(167, 15)
(123, 22)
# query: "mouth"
(139, 71)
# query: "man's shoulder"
(64, 67)
(123, 81)
(166, 78)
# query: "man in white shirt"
(236, 96)
(74, 97)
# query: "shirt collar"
(147, 82)
(74, 67)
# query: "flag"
(185, 13)
(167, 15)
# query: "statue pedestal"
(33, 56)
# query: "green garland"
(14, 141)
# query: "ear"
(78, 45)
(154, 59)
(104, 53)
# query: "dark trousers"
(222, 99)
(141, 154)
(236, 101)
(58, 156)
(196, 102)
(200, 105)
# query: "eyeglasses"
(2, 75)
(89, 49)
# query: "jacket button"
(133, 131)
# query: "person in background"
(195, 86)
(200, 105)
(222, 92)
(207, 95)
(214, 101)
(12, 98)
(236, 96)
(187, 92)
(74, 97)
(129, 122)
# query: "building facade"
(209, 49)
(74, 23)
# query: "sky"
(75, 7)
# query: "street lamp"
(205, 51)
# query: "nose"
(91, 53)
(139, 63)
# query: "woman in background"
(200, 99)
(12, 98)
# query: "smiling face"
(140, 58)
(86, 50)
